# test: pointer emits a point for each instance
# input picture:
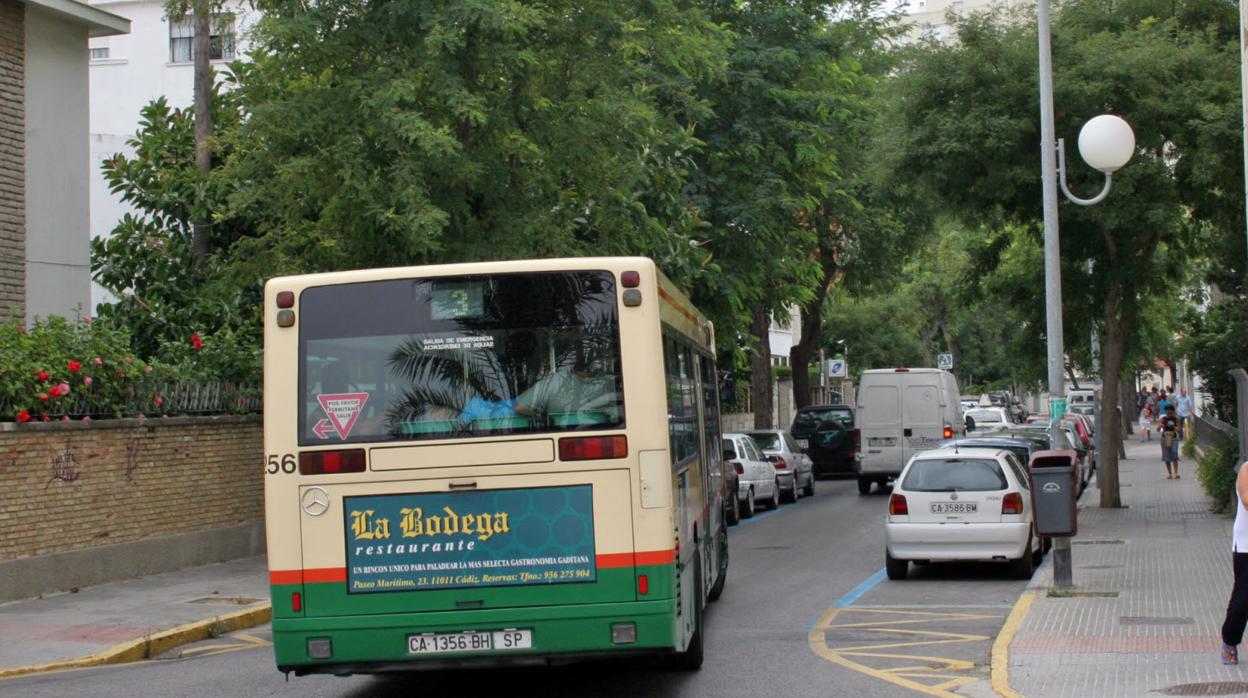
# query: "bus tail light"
(778, 463)
(593, 447)
(296, 601)
(643, 584)
(331, 462)
(1012, 503)
(897, 505)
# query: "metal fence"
(1214, 433)
(161, 398)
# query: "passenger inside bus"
(572, 396)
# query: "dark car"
(826, 433)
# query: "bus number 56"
(286, 464)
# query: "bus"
(490, 464)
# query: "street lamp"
(1106, 144)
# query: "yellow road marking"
(819, 645)
(877, 623)
(1001, 647)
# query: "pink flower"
(43, 396)
(42, 375)
(88, 319)
(158, 400)
(129, 360)
(63, 388)
(86, 418)
(74, 365)
(147, 369)
(196, 341)
(87, 380)
(22, 329)
(98, 361)
(65, 418)
(23, 416)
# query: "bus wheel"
(691, 658)
(747, 507)
(718, 587)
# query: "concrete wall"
(12, 159)
(84, 504)
(57, 256)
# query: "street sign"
(944, 362)
(836, 368)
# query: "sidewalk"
(133, 619)
(1157, 576)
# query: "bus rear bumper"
(375, 644)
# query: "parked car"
(1022, 447)
(1068, 439)
(757, 480)
(990, 418)
(1087, 410)
(827, 435)
(968, 504)
(794, 469)
(902, 411)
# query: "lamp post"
(1106, 143)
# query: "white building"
(128, 72)
(928, 16)
(44, 256)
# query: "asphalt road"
(806, 612)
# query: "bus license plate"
(955, 508)
(469, 641)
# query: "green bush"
(1217, 476)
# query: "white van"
(902, 411)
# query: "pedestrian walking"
(1183, 408)
(1237, 607)
(1146, 423)
(1163, 401)
(1168, 427)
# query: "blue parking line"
(758, 517)
(854, 594)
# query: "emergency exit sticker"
(342, 409)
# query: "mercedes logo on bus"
(315, 501)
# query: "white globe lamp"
(1106, 143)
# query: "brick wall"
(71, 486)
(12, 159)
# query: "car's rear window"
(985, 416)
(766, 440)
(954, 475)
(809, 420)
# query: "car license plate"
(803, 443)
(469, 641)
(955, 507)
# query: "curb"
(156, 643)
(1001, 647)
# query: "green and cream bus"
(490, 464)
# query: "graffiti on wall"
(64, 467)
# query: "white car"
(961, 504)
(756, 478)
(990, 418)
(794, 469)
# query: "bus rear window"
(457, 357)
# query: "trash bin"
(1054, 486)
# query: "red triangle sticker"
(342, 409)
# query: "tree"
(384, 133)
(971, 129)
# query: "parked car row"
(768, 467)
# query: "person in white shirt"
(1183, 408)
(1237, 608)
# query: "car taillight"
(948, 433)
(1012, 504)
(857, 440)
(739, 468)
(778, 463)
(897, 505)
(593, 447)
(331, 462)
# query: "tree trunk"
(1113, 348)
(760, 367)
(812, 328)
(200, 54)
(1126, 403)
